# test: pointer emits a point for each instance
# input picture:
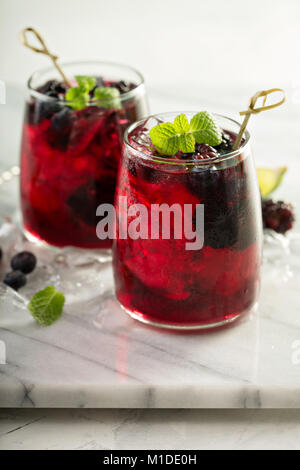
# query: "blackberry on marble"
(278, 216)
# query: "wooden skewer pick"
(43, 50)
(252, 110)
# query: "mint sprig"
(168, 138)
(165, 138)
(85, 82)
(46, 305)
(78, 97)
(107, 97)
(205, 130)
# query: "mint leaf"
(187, 143)
(79, 96)
(46, 305)
(108, 97)
(164, 137)
(76, 98)
(168, 138)
(85, 83)
(181, 124)
(205, 130)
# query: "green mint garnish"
(78, 97)
(181, 124)
(46, 305)
(107, 97)
(169, 138)
(165, 138)
(205, 130)
(85, 83)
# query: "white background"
(173, 42)
(194, 54)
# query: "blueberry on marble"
(15, 280)
(24, 262)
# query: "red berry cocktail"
(158, 280)
(71, 148)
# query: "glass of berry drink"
(160, 282)
(70, 156)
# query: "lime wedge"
(269, 179)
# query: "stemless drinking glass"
(159, 281)
(69, 158)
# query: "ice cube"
(10, 297)
(14, 314)
(10, 242)
(77, 257)
(276, 246)
(140, 138)
(152, 121)
(10, 235)
(83, 283)
(86, 124)
(81, 273)
(74, 272)
(44, 275)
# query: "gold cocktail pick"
(252, 110)
(43, 50)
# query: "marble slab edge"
(188, 396)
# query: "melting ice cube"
(140, 138)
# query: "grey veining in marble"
(81, 429)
